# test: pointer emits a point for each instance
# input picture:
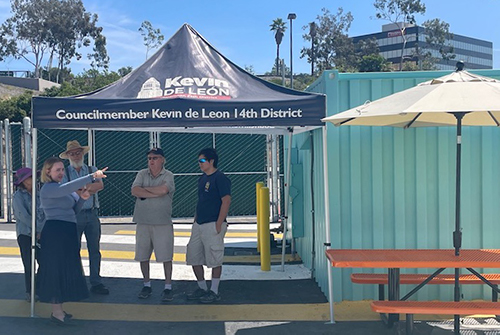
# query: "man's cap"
(156, 151)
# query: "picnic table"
(396, 259)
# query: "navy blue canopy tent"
(188, 86)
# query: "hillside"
(7, 91)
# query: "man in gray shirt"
(154, 190)
(87, 220)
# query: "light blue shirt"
(73, 174)
(21, 204)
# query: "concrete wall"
(28, 83)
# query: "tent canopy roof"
(185, 84)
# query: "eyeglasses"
(75, 153)
(202, 160)
(153, 158)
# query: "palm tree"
(279, 27)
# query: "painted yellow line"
(106, 254)
(177, 313)
(187, 234)
(256, 259)
(9, 251)
(178, 257)
(128, 255)
(344, 311)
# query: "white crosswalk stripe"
(131, 269)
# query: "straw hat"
(73, 145)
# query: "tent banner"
(175, 112)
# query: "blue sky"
(240, 29)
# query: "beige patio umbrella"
(460, 98)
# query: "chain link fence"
(242, 157)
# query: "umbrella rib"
(413, 120)
(494, 118)
(348, 120)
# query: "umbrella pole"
(457, 234)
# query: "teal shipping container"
(390, 187)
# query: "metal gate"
(244, 158)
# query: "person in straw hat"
(87, 219)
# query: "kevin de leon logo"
(186, 87)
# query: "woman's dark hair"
(21, 185)
(210, 154)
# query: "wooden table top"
(414, 258)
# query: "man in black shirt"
(206, 245)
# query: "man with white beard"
(87, 220)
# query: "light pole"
(291, 17)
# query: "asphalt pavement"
(253, 301)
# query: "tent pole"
(274, 178)
(269, 169)
(327, 221)
(90, 141)
(287, 200)
(33, 220)
(8, 167)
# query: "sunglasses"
(75, 153)
(202, 160)
(153, 158)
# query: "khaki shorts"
(159, 238)
(205, 246)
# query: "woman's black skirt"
(60, 276)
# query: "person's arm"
(84, 195)
(96, 186)
(159, 190)
(224, 210)
(144, 192)
(149, 192)
(55, 190)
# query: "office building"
(475, 53)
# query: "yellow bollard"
(265, 244)
(258, 186)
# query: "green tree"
(16, 108)
(333, 47)
(123, 71)
(278, 27)
(56, 75)
(153, 38)
(85, 82)
(373, 63)
(367, 47)
(437, 40)
(24, 35)
(401, 13)
(53, 28)
(65, 90)
(250, 69)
